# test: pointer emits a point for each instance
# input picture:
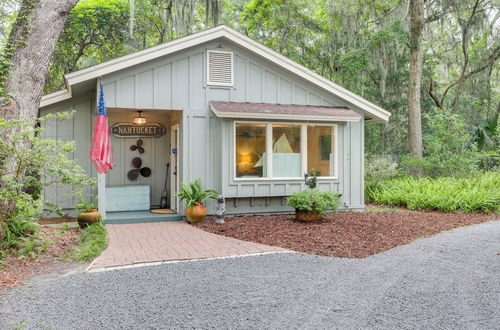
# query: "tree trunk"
(417, 22)
(29, 51)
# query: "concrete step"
(139, 217)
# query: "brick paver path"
(167, 241)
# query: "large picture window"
(284, 150)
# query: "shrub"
(475, 193)
(314, 200)
(92, 242)
(449, 147)
(380, 167)
(38, 162)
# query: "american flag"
(101, 152)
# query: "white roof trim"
(240, 39)
(55, 97)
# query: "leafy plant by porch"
(194, 193)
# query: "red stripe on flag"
(101, 152)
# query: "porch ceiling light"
(139, 120)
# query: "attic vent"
(220, 68)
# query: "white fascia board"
(273, 116)
(55, 97)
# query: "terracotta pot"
(308, 215)
(196, 213)
(86, 218)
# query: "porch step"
(115, 218)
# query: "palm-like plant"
(193, 193)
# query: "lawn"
(343, 234)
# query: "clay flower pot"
(308, 215)
(86, 218)
(196, 213)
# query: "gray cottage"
(222, 107)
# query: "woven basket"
(307, 215)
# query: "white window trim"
(208, 68)
(303, 150)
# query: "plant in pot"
(194, 195)
(88, 213)
(312, 204)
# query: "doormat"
(163, 211)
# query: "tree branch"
(491, 59)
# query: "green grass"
(478, 193)
(93, 241)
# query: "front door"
(174, 161)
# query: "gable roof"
(373, 112)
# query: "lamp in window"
(245, 163)
(139, 120)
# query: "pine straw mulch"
(15, 271)
(342, 234)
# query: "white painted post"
(101, 194)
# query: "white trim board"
(208, 35)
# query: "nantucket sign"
(131, 130)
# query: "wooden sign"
(131, 130)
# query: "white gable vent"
(219, 68)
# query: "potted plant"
(194, 195)
(311, 204)
(88, 214)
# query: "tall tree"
(24, 67)
(417, 24)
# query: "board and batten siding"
(79, 129)
(178, 82)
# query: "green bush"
(449, 147)
(476, 193)
(93, 241)
(39, 162)
(314, 200)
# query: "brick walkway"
(167, 241)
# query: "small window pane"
(286, 151)
(250, 150)
(320, 151)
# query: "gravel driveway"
(449, 281)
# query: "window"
(251, 150)
(320, 151)
(287, 160)
(284, 150)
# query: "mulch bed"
(342, 234)
(15, 271)
(56, 220)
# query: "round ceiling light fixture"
(139, 120)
